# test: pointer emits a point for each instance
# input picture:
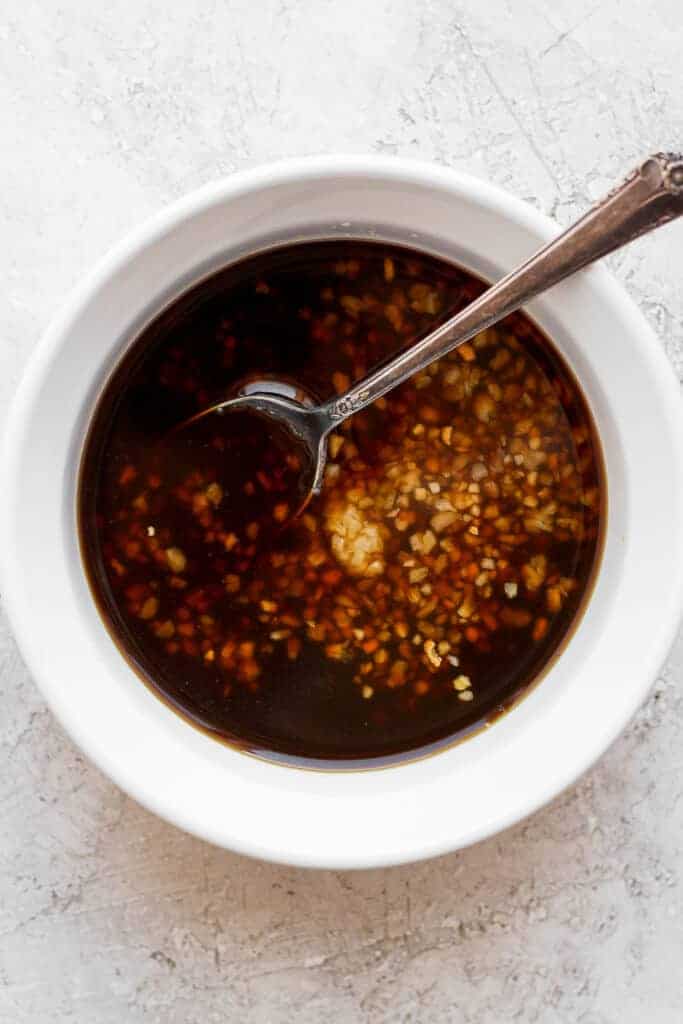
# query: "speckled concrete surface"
(108, 915)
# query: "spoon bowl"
(304, 425)
(292, 421)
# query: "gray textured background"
(109, 916)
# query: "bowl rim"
(152, 231)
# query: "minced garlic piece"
(355, 540)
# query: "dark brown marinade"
(430, 583)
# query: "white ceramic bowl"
(345, 819)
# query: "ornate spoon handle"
(651, 196)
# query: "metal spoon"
(651, 196)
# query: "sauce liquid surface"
(430, 583)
